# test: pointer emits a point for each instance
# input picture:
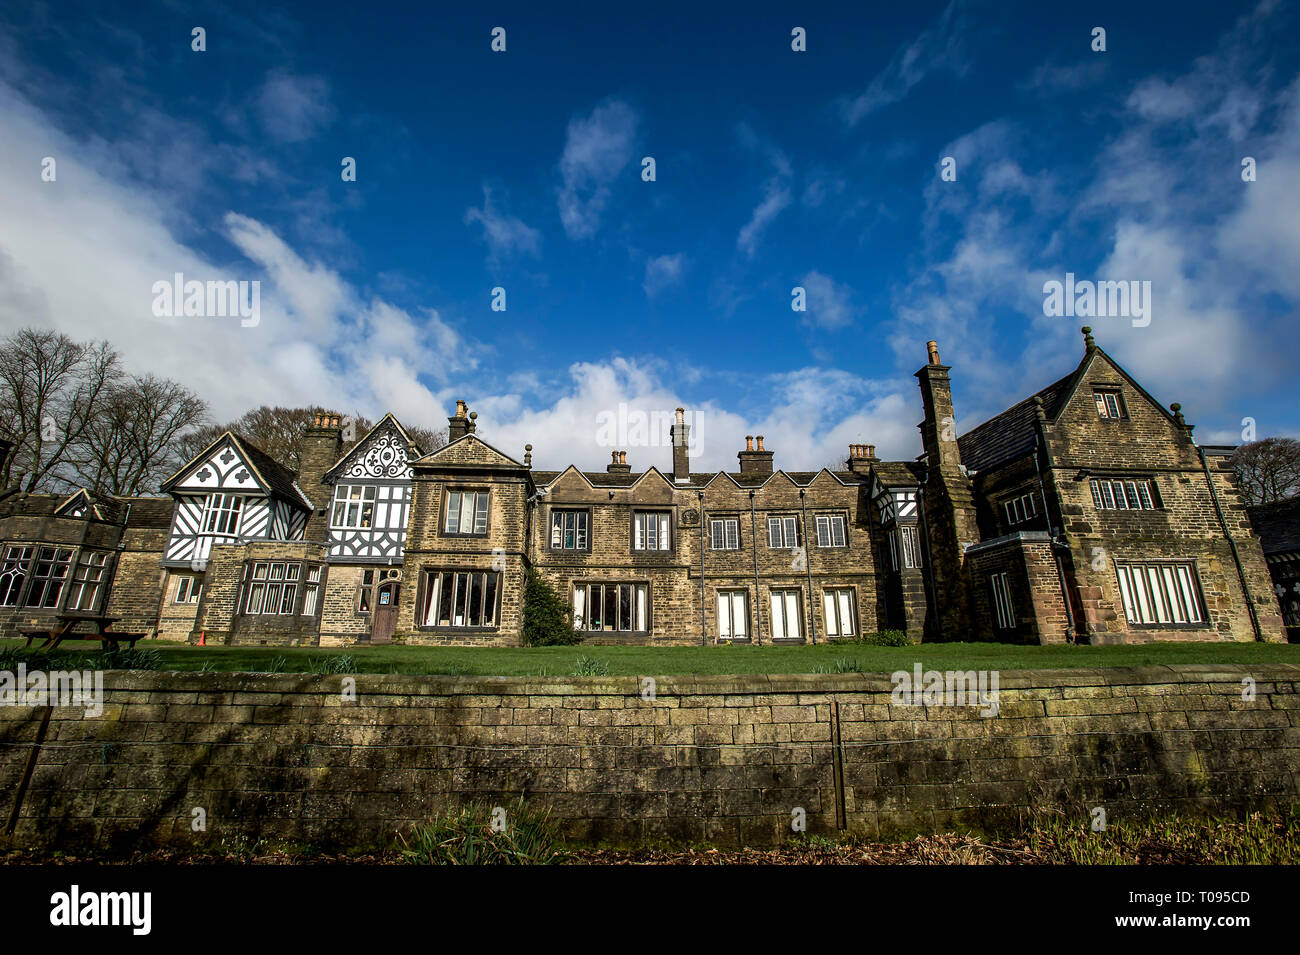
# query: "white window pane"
(846, 613)
(828, 605)
(724, 615)
(792, 614)
(778, 618)
(739, 614)
(453, 512)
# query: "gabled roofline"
(265, 485)
(167, 485)
(1078, 377)
(654, 470)
(388, 416)
(466, 437)
(574, 469)
(82, 493)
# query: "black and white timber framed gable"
(229, 493)
(371, 497)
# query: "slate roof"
(898, 473)
(1278, 525)
(698, 479)
(1011, 434)
(145, 511)
(279, 477)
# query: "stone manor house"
(1084, 513)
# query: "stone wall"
(724, 759)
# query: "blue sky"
(775, 169)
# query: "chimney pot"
(622, 457)
(749, 442)
(932, 349)
(759, 440)
(871, 450)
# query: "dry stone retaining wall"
(726, 759)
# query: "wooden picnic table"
(110, 639)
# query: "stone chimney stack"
(322, 446)
(681, 433)
(861, 457)
(755, 459)
(949, 502)
(458, 424)
(618, 463)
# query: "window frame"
(281, 582)
(193, 592)
(460, 491)
(831, 518)
(1004, 607)
(560, 510)
(772, 592)
(347, 503)
(1108, 493)
(582, 619)
(215, 506)
(785, 521)
(77, 583)
(907, 538)
(837, 592)
(17, 568)
(661, 512)
(1131, 597)
(730, 594)
(431, 574)
(1099, 396)
(725, 520)
(48, 581)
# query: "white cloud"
(830, 303)
(597, 147)
(812, 415)
(663, 272)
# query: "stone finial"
(528, 455)
(1088, 342)
(473, 421)
(1177, 409)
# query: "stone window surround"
(591, 527)
(424, 581)
(671, 550)
(447, 491)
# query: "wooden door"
(384, 614)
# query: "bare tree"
(279, 431)
(52, 391)
(1268, 470)
(134, 445)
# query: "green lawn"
(651, 661)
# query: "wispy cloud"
(937, 49)
(597, 148)
(293, 108)
(663, 272)
(830, 303)
(505, 234)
